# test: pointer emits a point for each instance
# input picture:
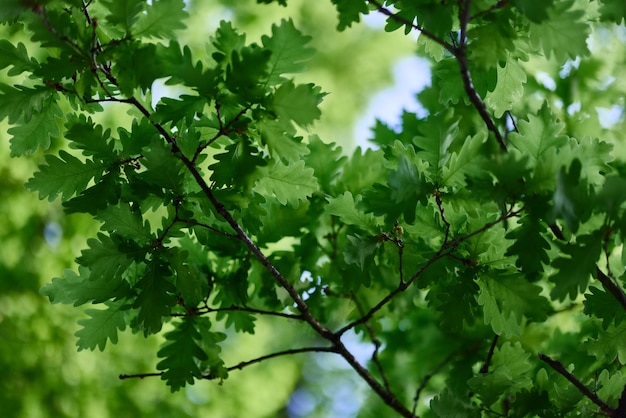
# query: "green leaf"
(464, 162)
(181, 354)
(104, 259)
(102, 325)
(246, 74)
(507, 299)
(360, 250)
(612, 195)
(227, 41)
(124, 13)
(563, 34)
(289, 51)
(66, 176)
(434, 144)
(30, 136)
(15, 57)
(78, 289)
(530, 247)
(571, 197)
(349, 12)
(23, 103)
(535, 10)
(122, 220)
(161, 19)
(297, 103)
(538, 133)
(509, 88)
(11, 9)
(236, 165)
(280, 140)
(290, 184)
(610, 345)
(326, 160)
(407, 187)
(448, 405)
(84, 134)
(575, 268)
(509, 373)
(603, 305)
(363, 168)
(344, 206)
(613, 10)
(156, 297)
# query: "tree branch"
(460, 54)
(243, 364)
(376, 343)
(558, 367)
(485, 368)
(445, 250)
(208, 310)
(381, 9)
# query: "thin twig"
(289, 352)
(437, 194)
(427, 378)
(242, 364)
(485, 368)
(208, 310)
(444, 251)
(460, 54)
(381, 9)
(499, 5)
(558, 367)
(376, 343)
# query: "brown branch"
(485, 368)
(616, 291)
(499, 5)
(437, 194)
(445, 250)
(376, 343)
(460, 54)
(393, 16)
(558, 367)
(235, 308)
(334, 338)
(611, 287)
(243, 364)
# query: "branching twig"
(381, 9)
(499, 5)
(208, 310)
(485, 368)
(444, 251)
(437, 194)
(460, 54)
(289, 352)
(558, 367)
(427, 378)
(243, 364)
(376, 343)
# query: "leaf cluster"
(463, 245)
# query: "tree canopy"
(474, 254)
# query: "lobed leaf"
(65, 176)
(101, 326)
(290, 184)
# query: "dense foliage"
(477, 249)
